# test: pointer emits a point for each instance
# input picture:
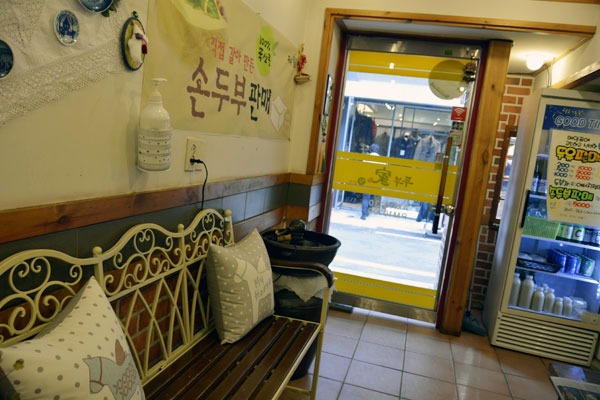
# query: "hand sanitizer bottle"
(154, 135)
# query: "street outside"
(385, 247)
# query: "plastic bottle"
(514, 292)
(527, 288)
(558, 306)
(567, 307)
(154, 135)
(537, 300)
(545, 287)
(549, 301)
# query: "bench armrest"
(285, 266)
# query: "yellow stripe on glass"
(404, 65)
(385, 290)
(392, 177)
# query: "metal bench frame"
(147, 267)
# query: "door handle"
(440, 199)
(449, 210)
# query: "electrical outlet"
(194, 148)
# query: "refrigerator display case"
(544, 292)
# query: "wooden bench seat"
(156, 284)
(252, 368)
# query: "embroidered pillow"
(240, 286)
(81, 354)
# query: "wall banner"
(228, 71)
(574, 177)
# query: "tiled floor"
(369, 355)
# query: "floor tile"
(327, 389)
(527, 367)
(425, 345)
(426, 329)
(357, 314)
(384, 336)
(415, 387)
(332, 366)
(470, 393)
(429, 366)
(480, 378)
(339, 345)
(381, 355)
(478, 358)
(350, 392)
(344, 326)
(472, 340)
(374, 377)
(388, 320)
(530, 389)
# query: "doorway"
(401, 132)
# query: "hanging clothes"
(362, 133)
(403, 147)
(427, 149)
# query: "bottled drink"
(578, 233)
(527, 287)
(514, 292)
(537, 300)
(565, 232)
(567, 307)
(558, 306)
(549, 301)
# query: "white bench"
(155, 282)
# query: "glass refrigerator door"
(557, 271)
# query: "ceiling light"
(435, 123)
(389, 107)
(534, 61)
(391, 65)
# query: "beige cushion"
(81, 354)
(240, 286)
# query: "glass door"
(402, 128)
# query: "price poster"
(574, 177)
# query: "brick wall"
(517, 88)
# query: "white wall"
(83, 146)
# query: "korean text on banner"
(228, 71)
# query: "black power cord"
(197, 161)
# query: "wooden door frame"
(457, 286)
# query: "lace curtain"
(45, 70)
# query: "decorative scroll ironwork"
(149, 271)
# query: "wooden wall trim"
(469, 22)
(28, 222)
(484, 138)
(580, 77)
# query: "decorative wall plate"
(96, 6)
(134, 43)
(66, 27)
(6, 59)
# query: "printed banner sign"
(392, 177)
(574, 177)
(228, 71)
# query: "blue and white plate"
(96, 5)
(6, 59)
(66, 27)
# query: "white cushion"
(81, 354)
(240, 286)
